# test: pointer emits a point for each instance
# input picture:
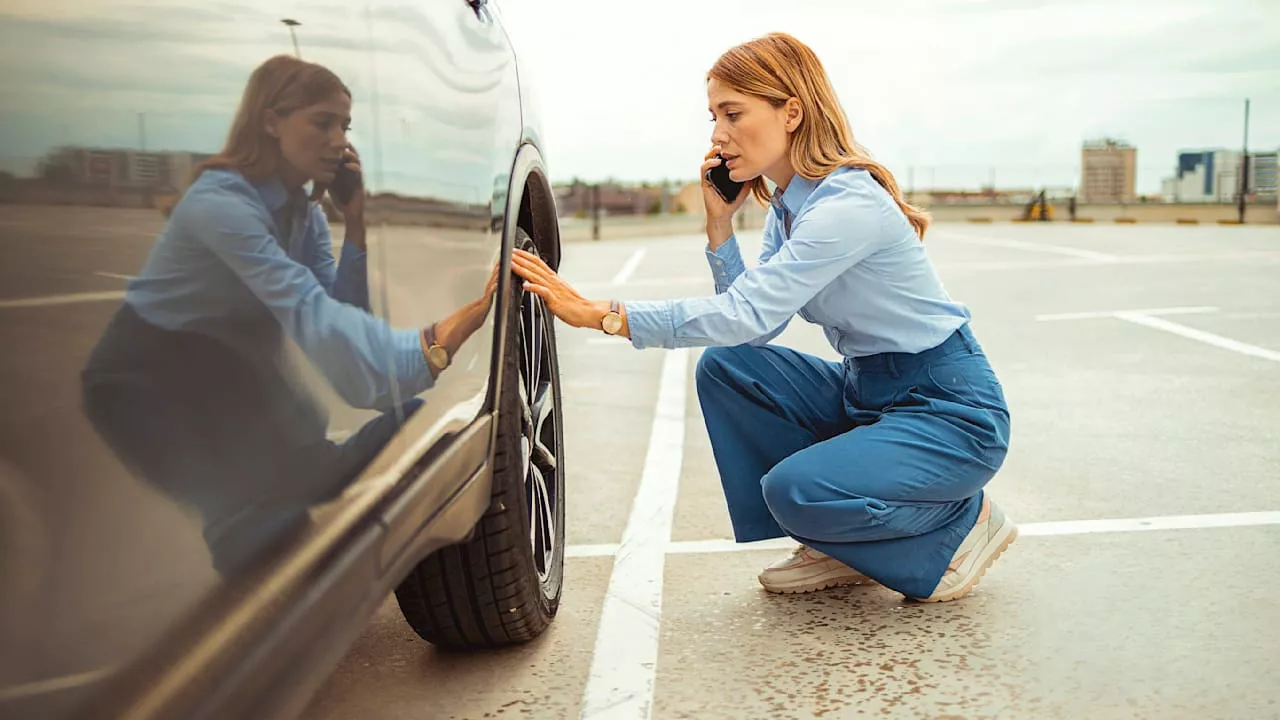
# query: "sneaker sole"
(968, 587)
(822, 583)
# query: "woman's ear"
(794, 114)
(271, 123)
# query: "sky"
(947, 93)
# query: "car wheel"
(503, 586)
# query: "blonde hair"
(281, 85)
(778, 67)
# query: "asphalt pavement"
(1141, 365)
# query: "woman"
(189, 383)
(876, 464)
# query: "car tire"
(503, 585)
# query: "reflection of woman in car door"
(189, 383)
(876, 464)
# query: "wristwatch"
(611, 323)
(437, 354)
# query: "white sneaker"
(807, 570)
(990, 536)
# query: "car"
(202, 531)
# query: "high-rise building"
(1205, 176)
(1108, 171)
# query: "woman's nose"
(718, 135)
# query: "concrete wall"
(1144, 213)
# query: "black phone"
(719, 179)
(346, 182)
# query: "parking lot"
(1141, 367)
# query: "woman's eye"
(733, 117)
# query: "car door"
(115, 564)
(447, 130)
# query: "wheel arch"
(530, 207)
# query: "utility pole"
(293, 24)
(142, 131)
(595, 211)
(1244, 163)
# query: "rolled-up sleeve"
(352, 348)
(836, 230)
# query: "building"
(579, 198)
(1108, 171)
(1263, 175)
(121, 169)
(1206, 176)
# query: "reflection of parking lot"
(1140, 366)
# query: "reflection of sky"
(83, 77)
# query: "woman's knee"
(719, 366)
(785, 491)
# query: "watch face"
(438, 356)
(612, 323)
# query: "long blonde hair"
(777, 67)
(281, 85)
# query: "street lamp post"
(293, 24)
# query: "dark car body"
(111, 604)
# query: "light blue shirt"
(224, 263)
(839, 252)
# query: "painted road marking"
(1209, 338)
(623, 667)
(1032, 247)
(1191, 310)
(1042, 529)
(47, 300)
(630, 267)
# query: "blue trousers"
(878, 461)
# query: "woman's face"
(753, 135)
(313, 139)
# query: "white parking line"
(1062, 527)
(1191, 333)
(1191, 310)
(630, 267)
(645, 282)
(1032, 247)
(114, 276)
(620, 684)
(72, 298)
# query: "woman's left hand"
(563, 301)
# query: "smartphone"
(346, 182)
(726, 188)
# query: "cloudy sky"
(947, 92)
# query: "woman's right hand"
(717, 209)
(719, 213)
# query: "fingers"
(540, 290)
(531, 267)
(714, 151)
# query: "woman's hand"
(563, 301)
(352, 211)
(719, 212)
(453, 331)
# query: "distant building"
(1263, 175)
(1205, 176)
(122, 169)
(614, 199)
(1108, 171)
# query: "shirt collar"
(797, 192)
(274, 194)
